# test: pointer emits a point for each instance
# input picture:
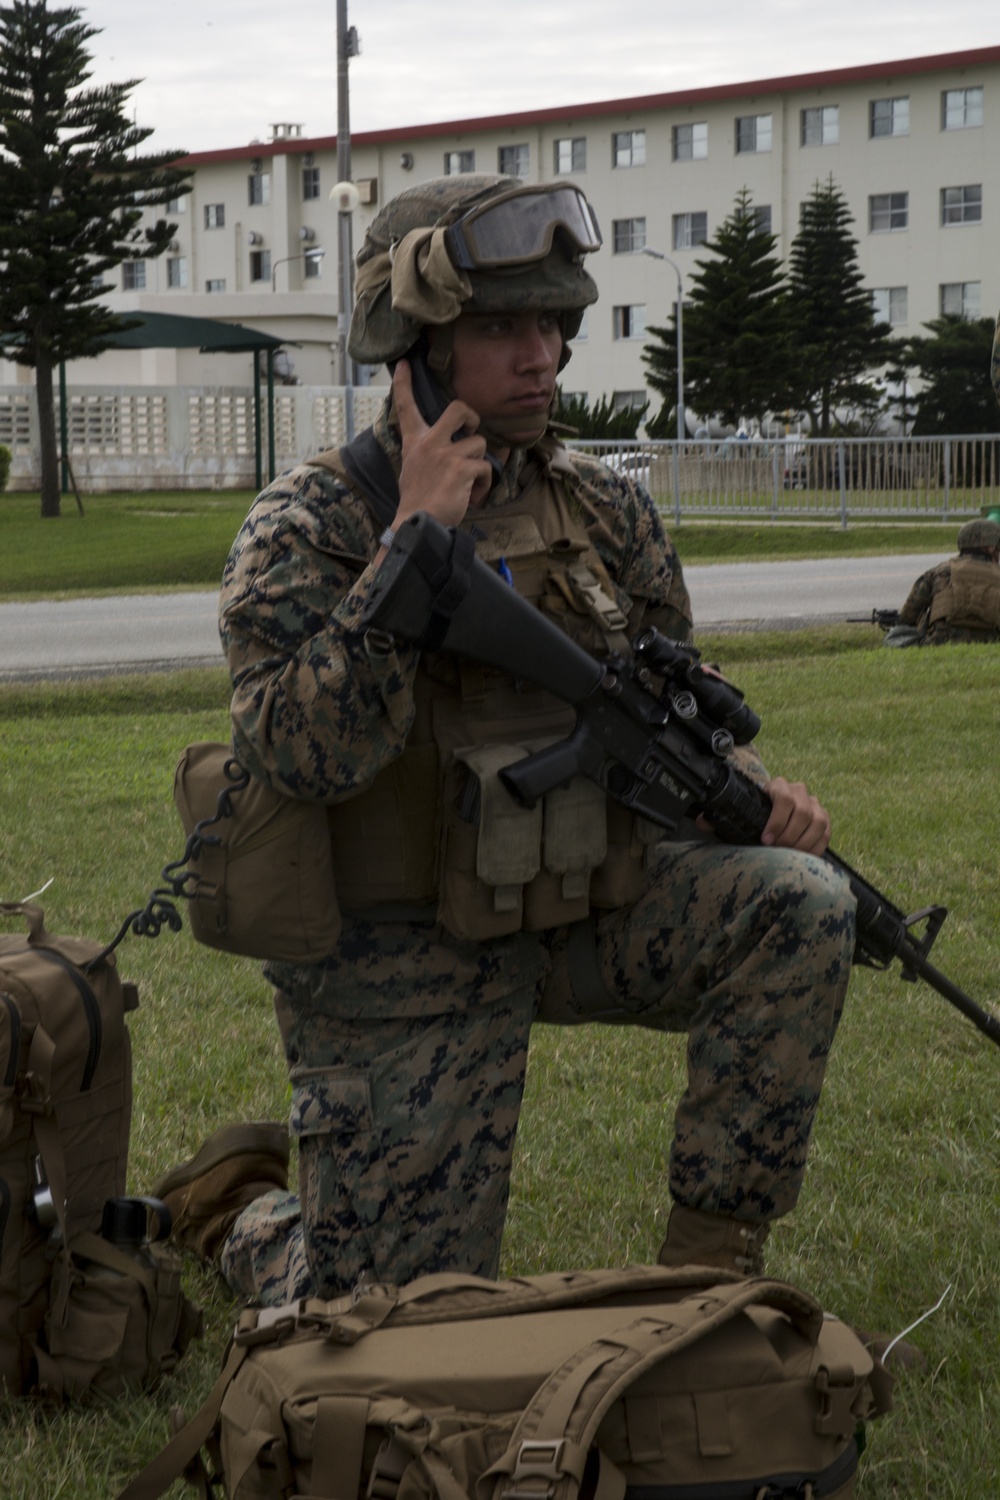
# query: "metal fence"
(150, 437)
(828, 479)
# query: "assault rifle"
(655, 729)
(884, 618)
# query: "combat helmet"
(979, 536)
(471, 242)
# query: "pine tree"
(737, 344)
(838, 341)
(954, 365)
(72, 193)
(601, 420)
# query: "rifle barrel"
(914, 960)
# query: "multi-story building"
(907, 142)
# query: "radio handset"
(432, 401)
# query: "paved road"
(147, 632)
(783, 595)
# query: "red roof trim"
(829, 79)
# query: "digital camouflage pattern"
(406, 1049)
(318, 709)
(406, 1092)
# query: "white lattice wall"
(177, 437)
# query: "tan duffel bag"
(646, 1383)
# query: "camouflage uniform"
(407, 1048)
(933, 601)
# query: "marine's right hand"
(441, 474)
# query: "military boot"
(700, 1239)
(207, 1194)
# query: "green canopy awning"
(153, 330)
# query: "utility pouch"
(507, 867)
(491, 846)
(118, 1321)
(261, 877)
(574, 845)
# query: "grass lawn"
(901, 1198)
(128, 543)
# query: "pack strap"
(548, 1450)
(184, 1448)
(368, 465)
(338, 1446)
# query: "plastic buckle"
(388, 1467)
(272, 1326)
(33, 1095)
(536, 1460)
(837, 1389)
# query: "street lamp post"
(316, 253)
(659, 255)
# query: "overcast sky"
(218, 73)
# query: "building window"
(217, 284)
(960, 299)
(690, 142)
(134, 276)
(889, 305)
(628, 236)
(889, 117)
(753, 134)
(258, 188)
(627, 400)
(571, 154)
(459, 161)
(215, 216)
(312, 265)
(260, 265)
(887, 211)
(628, 148)
(310, 182)
(762, 218)
(513, 161)
(962, 205)
(961, 108)
(630, 321)
(177, 205)
(177, 271)
(821, 127)
(690, 230)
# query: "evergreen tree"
(600, 420)
(837, 340)
(954, 365)
(737, 343)
(72, 193)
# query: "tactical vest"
(436, 828)
(970, 600)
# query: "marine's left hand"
(798, 820)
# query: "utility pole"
(347, 201)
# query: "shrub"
(6, 458)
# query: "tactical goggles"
(519, 229)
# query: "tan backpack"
(645, 1382)
(85, 1305)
